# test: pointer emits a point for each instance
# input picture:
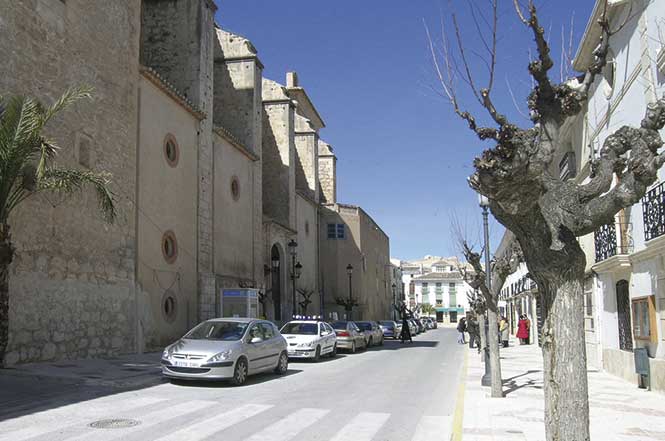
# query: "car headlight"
(166, 354)
(220, 357)
(305, 345)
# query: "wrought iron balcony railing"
(613, 239)
(653, 212)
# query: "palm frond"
(19, 128)
(70, 181)
(70, 96)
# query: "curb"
(458, 416)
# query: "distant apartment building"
(437, 281)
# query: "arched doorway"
(276, 282)
(623, 316)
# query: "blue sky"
(402, 154)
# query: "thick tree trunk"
(495, 358)
(564, 358)
(6, 255)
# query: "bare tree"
(545, 213)
(500, 268)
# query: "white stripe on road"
(433, 427)
(204, 429)
(148, 420)
(62, 418)
(362, 428)
(288, 427)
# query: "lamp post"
(275, 288)
(394, 300)
(296, 269)
(349, 271)
(484, 204)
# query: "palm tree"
(27, 167)
(427, 309)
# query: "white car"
(309, 339)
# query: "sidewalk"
(619, 410)
(27, 388)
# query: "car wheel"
(240, 372)
(333, 354)
(317, 354)
(353, 347)
(282, 364)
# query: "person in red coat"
(523, 330)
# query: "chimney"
(291, 79)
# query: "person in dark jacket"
(461, 328)
(474, 331)
(405, 314)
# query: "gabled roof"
(453, 275)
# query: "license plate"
(185, 364)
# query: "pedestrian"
(405, 315)
(461, 328)
(528, 329)
(523, 330)
(474, 331)
(505, 332)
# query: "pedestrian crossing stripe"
(208, 427)
(363, 426)
(290, 426)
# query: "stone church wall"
(72, 283)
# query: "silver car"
(373, 333)
(226, 348)
(349, 336)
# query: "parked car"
(390, 328)
(421, 326)
(226, 349)
(309, 339)
(349, 336)
(373, 333)
(427, 321)
(413, 327)
(435, 325)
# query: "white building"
(437, 281)
(625, 285)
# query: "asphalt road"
(391, 393)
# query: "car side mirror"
(256, 340)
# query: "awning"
(457, 310)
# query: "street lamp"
(394, 300)
(484, 204)
(296, 269)
(275, 285)
(349, 271)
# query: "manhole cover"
(114, 423)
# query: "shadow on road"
(395, 345)
(222, 384)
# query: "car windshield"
(339, 325)
(214, 330)
(387, 323)
(300, 328)
(364, 326)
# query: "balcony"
(606, 243)
(653, 212)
